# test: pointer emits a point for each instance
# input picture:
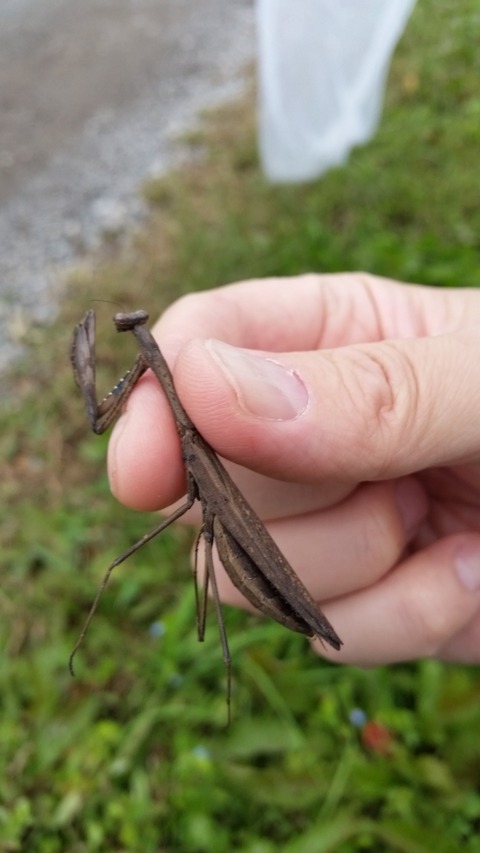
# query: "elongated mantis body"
(248, 553)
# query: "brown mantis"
(249, 555)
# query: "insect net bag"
(322, 71)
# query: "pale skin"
(350, 407)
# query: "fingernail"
(411, 502)
(467, 565)
(263, 386)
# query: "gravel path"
(91, 96)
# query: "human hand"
(355, 423)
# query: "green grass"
(133, 753)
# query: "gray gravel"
(92, 95)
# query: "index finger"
(307, 312)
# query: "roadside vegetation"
(133, 754)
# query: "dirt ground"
(91, 97)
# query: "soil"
(92, 96)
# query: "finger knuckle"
(390, 379)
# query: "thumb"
(362, 412)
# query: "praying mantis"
(253, 561)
